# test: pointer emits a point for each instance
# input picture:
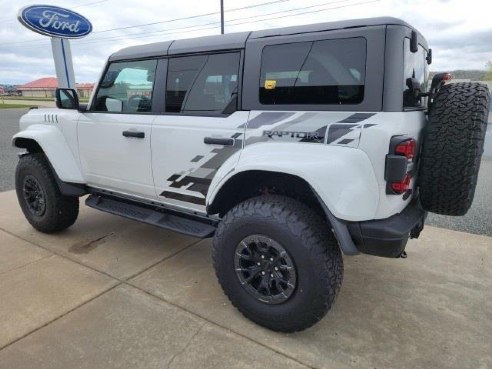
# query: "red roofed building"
(45, 87)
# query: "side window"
(416, 67)
(205, 83)
(319, 72)
(127, 87)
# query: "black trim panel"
(183, 223)
(388, 237)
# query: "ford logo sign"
(54, 21)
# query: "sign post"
(61, 24)
(63, 62)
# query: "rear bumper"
(388, 237)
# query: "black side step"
(154, 216)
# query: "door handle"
(135, 134)
(218, 141)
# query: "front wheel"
(278, 262)
(40, 199)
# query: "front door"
(114, 135)
(200, 129)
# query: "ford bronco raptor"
(288, 146)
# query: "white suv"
(290, 146)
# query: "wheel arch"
(29, 144)
(238, 188)
(51, 142)
(251, 183)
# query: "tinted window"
(416, 67)
(181, 72)
(201, 83)
(127, 87)
(319, 72)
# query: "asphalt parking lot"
(112, 293)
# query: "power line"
(213, 24)
(229, 23)
(193, 16)
(159, 22)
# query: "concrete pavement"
(112, 293)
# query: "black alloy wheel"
(34, 195)
(265, 269)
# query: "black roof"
(238, 40)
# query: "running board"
(158, 217)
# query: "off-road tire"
(309, 242)
(60, 211)
(453, 147)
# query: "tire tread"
(452, 148)
(316, 237)
(62, 211)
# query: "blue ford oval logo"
(54, 21)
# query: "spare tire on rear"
(452, 148)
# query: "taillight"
(407, 148)
(399, 164)
(402, 186)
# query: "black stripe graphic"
(173, 177)
(181, 197)
(357, 117)
(197, 158)
(266, 119)
(345, 126)
(346, 141)
(200, 185)
(320, 136)
(337, 131)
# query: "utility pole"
(221, 17)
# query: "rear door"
(200, 128)
(114, 135)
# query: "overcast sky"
(459, 31)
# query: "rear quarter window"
(317, 72)
(415, 66)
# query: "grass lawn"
(14, 106)
(28, 98)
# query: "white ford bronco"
(289, 146)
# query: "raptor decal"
(307, 127)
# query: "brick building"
(45, 87)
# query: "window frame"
(423, 103)
(374, 69)
(108, 64)
(162, 91)
(307, 58)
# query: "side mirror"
(428, 58)
(66, 98)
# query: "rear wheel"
(453, 147)
(40, 199)
(278, 262)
